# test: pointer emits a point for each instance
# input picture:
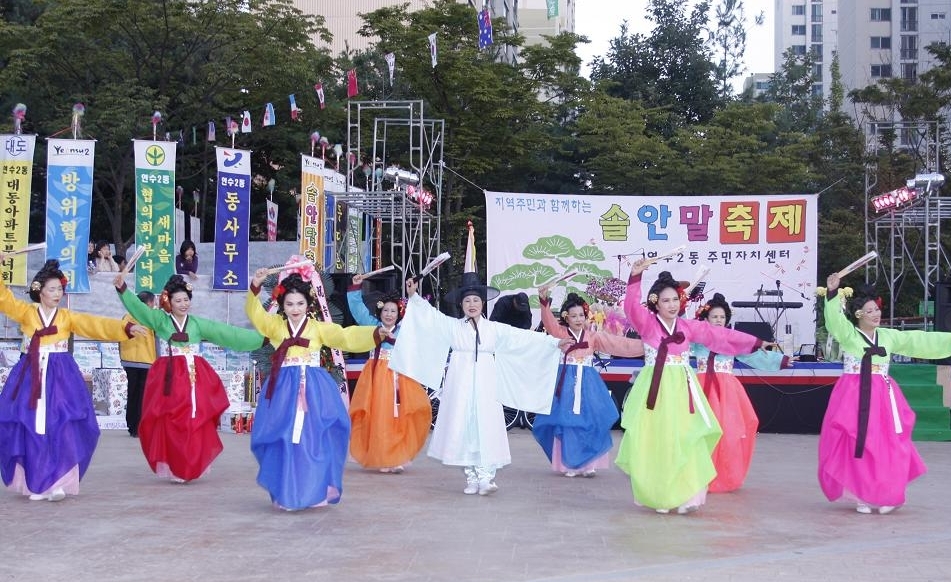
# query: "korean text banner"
(154, 212)
(16, 176)
(761, 250)
(68, 206)
(312, 210)
(232, 220)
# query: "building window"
(817, 12)
(799, 10)
(909, 47)
(881, 42)
(881, 14)
(909, 71)
(817, 90)
(816, 52)
(799, 30)
(937, 16)
(798, 49)
(909, 19)
(816, 73)
(762, 85)
(817, 33)
(881, 70)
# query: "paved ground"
(127, 525)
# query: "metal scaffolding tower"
(907, 238)
(395, 175)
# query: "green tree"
(671, 68)
(728, 39)
(194, 61)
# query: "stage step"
(919, 384)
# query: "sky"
(600, 21)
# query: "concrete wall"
(226, 306)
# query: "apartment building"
(874, 39)
(529, 17)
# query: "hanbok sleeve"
(837, 324)
(425, 339)
(150, 318)
(551, 324)
(356, 338)
(617, 345)
(765, 360)
(527, 367)
(721, 340)
(639, 316)
(100, 328)
(228, 336)
(929, 345)
(262, 321)
(358, 309)
(16, 309)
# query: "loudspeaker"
(760, 329)
(942, 313)
(942, 306)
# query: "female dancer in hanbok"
(865, 450)
(390, 414)
(670, 431)
(491, 364)
(728, 399)
(576, 436)
(184, 397)
(48, 428)
(301, 427)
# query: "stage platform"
(794, 400)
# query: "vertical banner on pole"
(69, 164)
(340, 230)
(354, 230)
(271, 221)
(330, 229)
(312, 210)
(16, 175)
(154, 212)
(232, 220)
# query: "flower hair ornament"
(701, 311)
(63, 281)
(652, 298)
(164, 303)
(278, 291)
(36, 286)
(859, 313)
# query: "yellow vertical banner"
(311, 231)
(16, 177)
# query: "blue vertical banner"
(330, 229)
(232, 220)
(68, 206)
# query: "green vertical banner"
(552, 8)
(154, 210)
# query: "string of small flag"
(233, 127)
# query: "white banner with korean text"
(761, 249)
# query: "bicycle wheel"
(511, 417)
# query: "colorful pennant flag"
(319, 88)
(246, 122)
(432, 48)
(229, 128)
(295, 111)
(391, 65)
(552, 9)
(352, 89)
(469, 266)
(211, 131)
(485, 29)
(268, 115)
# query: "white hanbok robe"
(515, 367)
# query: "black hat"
(471, 284)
